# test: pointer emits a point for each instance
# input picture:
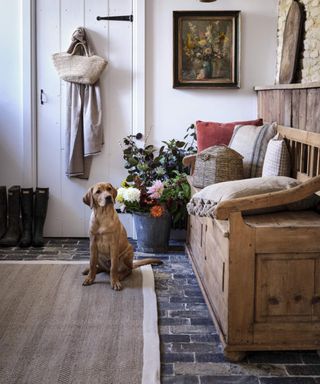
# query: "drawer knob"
(273, 300)
(315, 299)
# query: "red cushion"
(212, 133)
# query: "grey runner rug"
(54, 330)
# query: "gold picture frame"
(206, 49)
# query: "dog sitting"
(110, 250)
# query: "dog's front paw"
(116, 285)
(88, 281)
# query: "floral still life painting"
(206, 49)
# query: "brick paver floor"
(191, 352)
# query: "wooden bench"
(260, 274)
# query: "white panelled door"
(56, 21)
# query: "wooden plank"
(285, 240)
(295, 109)
(48, 115)
(207, 296)
(309, 138)
(274, 105)
(196, 242)
(241, 285)
(287, 108)
(277, 346)
(264, 107)
(215, 276)
(316, 306)
(297, 335)
(302, 109)
(284, 219)
(313, 112)
(285, 287)
(260, 88)
(260, 104)
(292, 36)
(280, 106)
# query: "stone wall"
(310, 57)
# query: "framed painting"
(206, 48)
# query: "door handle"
(43, 98)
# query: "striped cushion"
(251, 142)
(277, 159)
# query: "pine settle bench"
(260, 274)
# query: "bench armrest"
(266, 200)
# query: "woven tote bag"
(79, 69)
(217, 164)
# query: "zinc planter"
(153, 233)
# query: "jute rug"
(54, 330)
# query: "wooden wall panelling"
(260, 104)
(287, 108)
(313, 111)
(280, 101)
(274, 106)
(299, 108)
(295, 106)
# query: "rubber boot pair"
(3, 211)
(10, 216)
(33, 214)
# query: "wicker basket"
(216, 164)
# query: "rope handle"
(83, 46)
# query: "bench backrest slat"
(304, 149)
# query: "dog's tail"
(139, 263)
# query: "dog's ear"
(88, 198)
(114, 193)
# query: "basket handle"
(83, 46)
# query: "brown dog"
(110, 250)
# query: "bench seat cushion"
(204, 202)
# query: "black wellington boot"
(12, 236)
(3, 211)
(40, 212)
(27, 216)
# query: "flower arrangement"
(139, 198)
(202, 45)
(157, 180)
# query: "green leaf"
(186, 190)
(180, 144)
(133, 161)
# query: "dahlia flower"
(156, 190)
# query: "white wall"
(11, 163)
(170, 111)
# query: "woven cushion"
(251, 142)
(204, 203)
(277, 158)
(211, 133)
(216, 164)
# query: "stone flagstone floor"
(191, 352)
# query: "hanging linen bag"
(79, 69)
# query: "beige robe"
(84, 132)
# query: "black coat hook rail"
(116, 18)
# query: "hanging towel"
(84, 133)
